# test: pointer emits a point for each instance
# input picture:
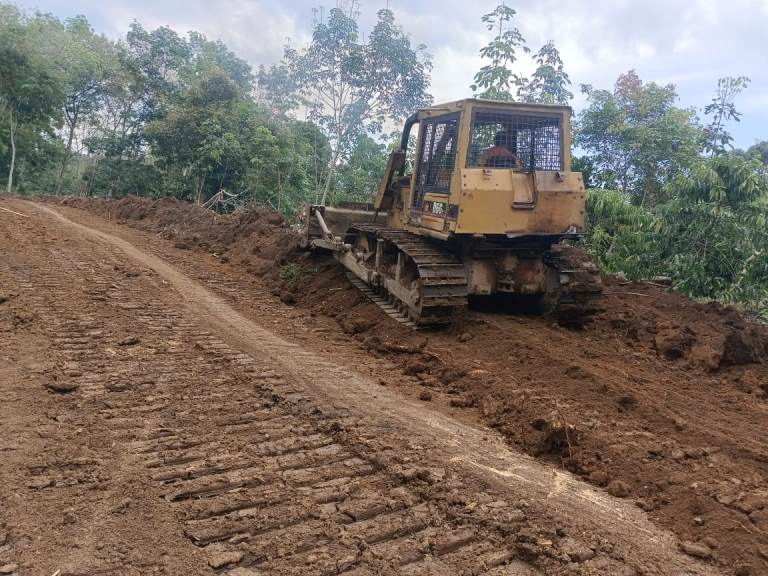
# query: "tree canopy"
(352, 88)
(636, 135)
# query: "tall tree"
(196, 127)
(497, 80)
(29, 92)
(636, 135)
(351, 87)
(722, 109)
(549, 83)
(91, 61)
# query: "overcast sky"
(688, 42)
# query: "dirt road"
(150, 425)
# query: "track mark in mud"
(263, 479)
(277, 463)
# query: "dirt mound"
(258, 239)
(661, 400)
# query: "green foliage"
(30, 87)
(707, 233)
(349, 87)
(497, 80)
(358, 178)
(549, 83)
(722, 109)
(759, 152)
(637, 137)
(293, 274)
(622, 236)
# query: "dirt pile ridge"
(661, 400)
(257, 238)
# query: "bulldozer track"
(580, 285)
(442, 278)
(382, 302)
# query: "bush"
(707, 233)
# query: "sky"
(690, 43)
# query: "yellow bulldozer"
(480, 209)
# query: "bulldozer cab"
(485, 168)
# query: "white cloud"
(688, 42)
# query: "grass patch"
(293, 273)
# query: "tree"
(278, 89)
(723, 110)
(91, 60)
(636, 136)
(549, 83)
(759, 151)
(497, 80)
(706, 232)
(198, 130)
(29, 92)
(358, 178)
(351, 88)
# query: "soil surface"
(192, 394)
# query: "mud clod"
(673, 341)
(619, 489)
(576, 550)
(743, 347)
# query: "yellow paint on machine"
(512, 202)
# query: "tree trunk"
(9, 188)
(94, 172)
(331, 168)
(67, 155)
(199, 192)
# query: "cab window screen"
(504, 140)
(438, 151)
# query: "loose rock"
(577, 550)
(69, 517)
(129, 341)
(224, 558)
(760, 519)
(9, 568)
(40, 482)
(696, 550)
(122, 506)
(62, 387)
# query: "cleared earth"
(175, 402)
